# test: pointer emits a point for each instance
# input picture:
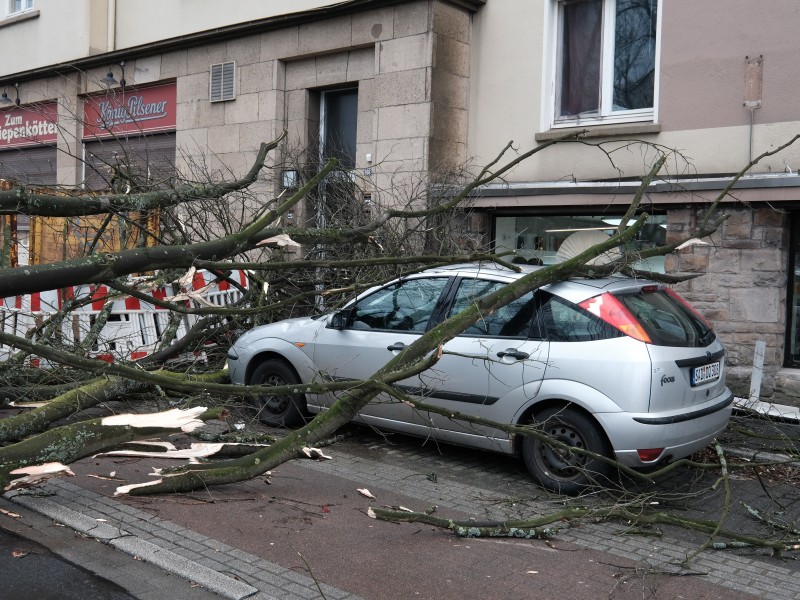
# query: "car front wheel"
(558, 469)
(288, 410)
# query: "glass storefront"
(538, 237)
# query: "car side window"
(562, 321)
(402, 306)
(512, 320)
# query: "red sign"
(130, 111)
(36, 124)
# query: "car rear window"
(667, 321)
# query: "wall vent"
(222, 78)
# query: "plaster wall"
(55, 32)
(145, 21)
(700, 90)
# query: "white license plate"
(705, 373)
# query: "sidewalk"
(306, 535)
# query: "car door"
(489, 371)
(379, 326)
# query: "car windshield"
(667, 321)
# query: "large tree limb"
(416, 358)
(100, 268)
(21, 200)
(537, 527)
(87, 395)
(72, 442)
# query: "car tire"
(559, 470)
(278, 411)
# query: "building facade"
(395, 88)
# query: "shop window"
(605, 61)
(538, 238)
(18, 6)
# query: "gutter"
(550, 188)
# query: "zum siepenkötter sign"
(29, 126)
(130, 111)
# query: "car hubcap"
(275, 404)
(559, 461)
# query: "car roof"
(574, 289)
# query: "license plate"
(705, 373)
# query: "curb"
(124, 541)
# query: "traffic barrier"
(133, 328)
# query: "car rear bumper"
(679, 433)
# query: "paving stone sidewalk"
(451, 484)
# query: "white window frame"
(26, 5)
(551, 87)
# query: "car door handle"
(396, 346)
(513, 353)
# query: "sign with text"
(28, 126)
(124, 112)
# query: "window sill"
(598, 131)
(19, 18)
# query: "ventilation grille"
(222, 77)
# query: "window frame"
(606, 115)
(394, 288)
(455, 297)
(11, 9)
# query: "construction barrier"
(133, 329)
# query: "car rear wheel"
(288, 410)
(558, 469)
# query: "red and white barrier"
(134, 328)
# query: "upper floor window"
(18, 6)
(605, 67)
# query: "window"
(222, 82)
(605, 67)
(18, 6)
(562, 321)
(339, 118)
(339, 202)
(538, 238)
(512, 320)
(404, 306)
(666, 320)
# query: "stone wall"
(742, 291)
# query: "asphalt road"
(29, 571)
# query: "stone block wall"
(742, 290)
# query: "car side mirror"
(341, 319)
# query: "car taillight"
(649, 454)
(613, 312)
(677, 297)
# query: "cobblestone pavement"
(498, 487)
(456, 481)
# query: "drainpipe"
(753, 78)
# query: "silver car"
(621, 367)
